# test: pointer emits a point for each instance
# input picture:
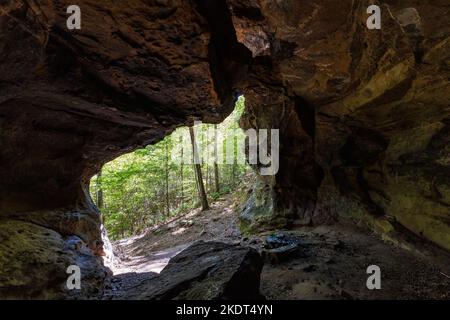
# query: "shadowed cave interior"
(364, 123)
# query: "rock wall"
(363, 114)
(73, 100)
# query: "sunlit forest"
(150, 186)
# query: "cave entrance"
(151, 200)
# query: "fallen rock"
(281, 239)
(206, 271)
(282, 247)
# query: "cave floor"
(334, 268)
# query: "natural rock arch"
(363, 114)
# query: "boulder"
(206, 271)
(34, 261)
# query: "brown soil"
(333, 268)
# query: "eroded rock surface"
(34, 261)
(364, 115)
(73, 100)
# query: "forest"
(150, 186)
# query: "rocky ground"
(331, 264)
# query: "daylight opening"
(148, 188)
(157, 201)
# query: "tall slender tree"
(166, 166)
(198, 172)
(181, 175)
(99, 190)
(216, 165)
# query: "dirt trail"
(333, 268)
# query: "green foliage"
(134, 185)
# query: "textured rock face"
(34, 261)
(73, 100)
(206, 271)
(364, 115)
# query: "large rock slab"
(206, 271)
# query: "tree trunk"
(216, 166)
(208, 186)
(198, 172)
(99, 190)
(166, 162)
(233, 174)
(181, 174)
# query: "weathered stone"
(78, 222)
(281, 247)
(206, 271)
(281, 239)
(34, 261)
(73, 100)
(363, 114)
